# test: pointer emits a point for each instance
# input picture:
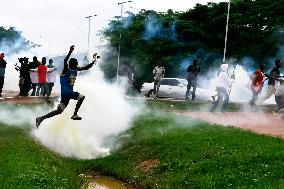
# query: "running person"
(67, 81)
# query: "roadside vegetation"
(161, 150)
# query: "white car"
(175, 88)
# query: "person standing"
(279, 96)
(223, 83)
(2, 71)
(159, 73)
(193, 71)
(257, 79)
(51, 76)
(34, 75)
(275, 72)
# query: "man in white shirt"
(51, 76)
(224, 82)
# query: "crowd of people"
(34, 76)
(225, 82)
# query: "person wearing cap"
(224, 81)
(24, 80)
(2, 71)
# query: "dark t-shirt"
(274, 72)
(192, 72)
(2, 67)
(3, 63)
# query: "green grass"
(196, 155)
(192, 154)
(26, 164)
(200, 106)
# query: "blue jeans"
(222, 94)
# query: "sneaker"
(38, 121)
(76, 117)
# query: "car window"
(171, 82)
(164, 82)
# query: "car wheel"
(151, 93)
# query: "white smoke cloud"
(240, 91)
(105, 112)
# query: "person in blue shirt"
(67, 81)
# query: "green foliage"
(255, 30)
(12, 41)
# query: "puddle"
(102, 182)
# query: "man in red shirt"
(257, 79)
(42, 70)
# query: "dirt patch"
(148, 165)
(95, 180)
(262, 123)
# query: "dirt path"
(10, 96)
(262, 123)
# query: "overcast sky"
(56, 24)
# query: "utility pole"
(89, 18)
(227, 28)
(118, 56)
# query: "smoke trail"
(152, 28)
(105, 112)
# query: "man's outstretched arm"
(86, 67)
(67, 58)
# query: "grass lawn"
(26, 164)
(188, 154)
(200, 106)
(196, 155)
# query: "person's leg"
(226, 100)
(270, 91)
(34, 89)
(27, 86)
(193, 90)
(155, 86)
(254, 97)
(46, 89)
(50, 85)
(217, 102)
(158, 87)
(1, 84)
(59, 110)
(38, 87)
(188, 89)
(80, 99)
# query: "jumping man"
(67, 81)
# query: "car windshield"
(184, 82)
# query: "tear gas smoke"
(240, 91)
(21, 115)
(105, 112)
(152, 28)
